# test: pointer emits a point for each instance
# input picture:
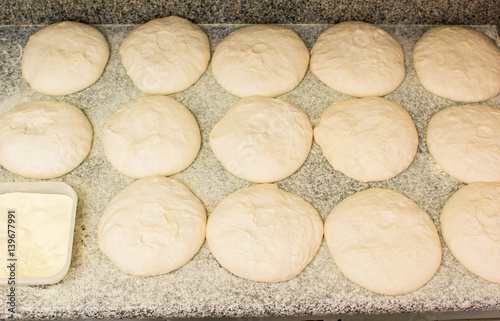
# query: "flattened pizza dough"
(262, 139)
(383, 241)
(464, 141)
(262, 233)
(458, 63)
(165, 55)
(152, 135)
(358, 59)
(44, 139)
(264, 60)
(470, 222)
(368, 139)
(64, 58)
(153, 226)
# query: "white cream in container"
(42, 216)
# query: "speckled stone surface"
(470, 12)
(202, 288)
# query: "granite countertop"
(463, 12)
(202, 288)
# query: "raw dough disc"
(262, 233)
(383, 241)
(153, 226)
(265, 60)
(464, 140)
(458, 63)
(368, 139)
(64, 58)
(165, 55)
(470, 222)
(358, 59)
(262, 139)
(152, 135)
(44, 139)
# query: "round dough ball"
(64, 58)
(262, 233)
(458, 63)
(153, 226)
(470, 222)
(358, 59)
(368, 139)
(152, 135)
(165, 55)
(265, 60)
(383, 241)
(44, 139)
(262, 139)
(464, 140)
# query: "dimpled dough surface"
(383, 241)
(44, 139)
(458, 63)
(64, 58)
(368, 139)
(153, 226)
(265, 60)
(262, 139)
(165, 55)
(151, 135)
(264, 234)
(358, 59)
(465, 140)
(470, 222)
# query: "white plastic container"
(57, 188)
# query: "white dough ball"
(458, 63)
(368, 139)
(262, 233)
(153, 226)
(64, 58)
(464, 141)
(470, 222)
(165, 55)
(358, 59)
(383, 241)
(262, 139)
(152, 135)
(44, 139)
(264, 60)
